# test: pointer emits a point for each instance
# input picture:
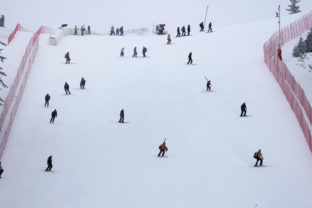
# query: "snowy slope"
(100, 163)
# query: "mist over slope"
(137, 13)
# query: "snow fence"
(17, 28)
(292, 90)
(15, 94)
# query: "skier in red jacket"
(163, 148)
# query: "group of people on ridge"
(119, 31)
(183, 30)
(135, 53)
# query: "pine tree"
(293, 7)
(1, 75)
(308, 42)
(300, 49)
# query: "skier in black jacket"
(53, 116)
(82, 83)
(190, 60)
(178, 32)
(183, 31)
(188, 30)
(201, 25)
(243, 109)
(66, 88)
(47, 99)
(122, 116)
(67, 58)
(49, 162)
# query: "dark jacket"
(122, 113)
(190, 56)
(47, 97)
(54, 113)
(243, 107)
(67, 56)
(66, 86)
(83, 81)
(49, 161)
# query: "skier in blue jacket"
(144, 51)
(135, 52)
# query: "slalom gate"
(15, 94)
(290, 87)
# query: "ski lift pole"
(206, 14)
(279, 26)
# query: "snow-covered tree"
(293, 7)
(1, 75)
(299, 49)
(308, 42)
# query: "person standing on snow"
(190, 60)
(121, 31)
(112, 31)
(188, 30)
(163, 148)
(89, 30)
(135, 54)
(82, 83)
(122, 52)
(243, 109)
(53, 116)
(122, 116)
(168, 39)
(144, 51)
(258, 156)
(183, 31)
(208, 87)
(210, 27)
(47, 99)
(49, 162)
(1, 170)
(201, 25)
(178, 32)
(66, 88)
(75, 30)
(67, 57)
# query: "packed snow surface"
(101, 163)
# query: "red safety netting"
(293, 91)
(15, 94)
(17, 28)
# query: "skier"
(122, 116)
(178, 32)
(188, 30)
(144, 51)
(209, 27)
(117, 31)
(67, 58)
(122, 52)
(169, 39)
(163, 148)
(89, 30)
(258, 157)
(1, 170)
(47, 99)
(243, 109)
(135, 54)
(75, 30)
(183, 31)
(53, 116)
(66, 88)
(208, 84)
(190, 60)
(82, 29)
(112, 31)
(121, 31)
(201, 25)
(82, 83)
(49, 162)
